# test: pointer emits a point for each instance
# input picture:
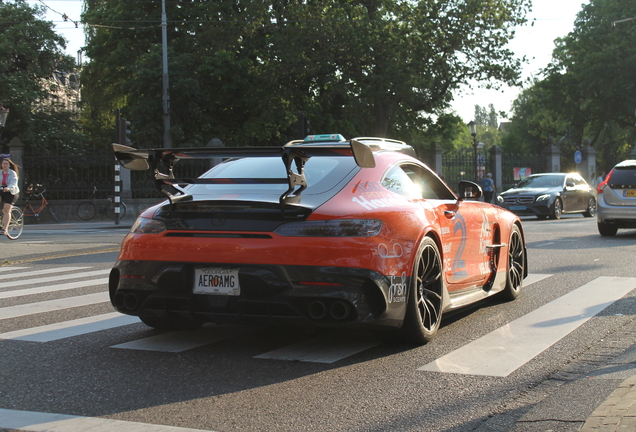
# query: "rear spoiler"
(292, 153)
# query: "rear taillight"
(601, 186)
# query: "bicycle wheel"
(16, 225)
(52, 211)
(110, 210)
(86, 210)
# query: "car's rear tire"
(164, 323)
(591, 208)
(424, 304)
(607, 230)
(557, 209)
(516, 265)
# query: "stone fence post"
(552, 157)
(588, 164)
(496, 166)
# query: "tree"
(29, 54)
(242, 71)
(588, 90)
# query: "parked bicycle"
(87, 210)
(37, 190)
(14, 230)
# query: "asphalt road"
(232, 378)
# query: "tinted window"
(623, 176)
(322, 174)
(416, 182)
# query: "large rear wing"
(293, 153)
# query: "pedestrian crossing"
(498, 353)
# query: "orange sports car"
(324, 231)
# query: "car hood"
(529, 191)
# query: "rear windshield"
(322, 174)
(623, 176)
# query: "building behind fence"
(73, 179)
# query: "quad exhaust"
(319, 310)
(126, 301)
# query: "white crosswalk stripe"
(52, 305)
(504, 350)
(53, 278)
(48, 422)
(65, 329)
(52, 288)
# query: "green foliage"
(241, 71)
(588, 90)
(30, 52)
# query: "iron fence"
(464, 165)
(517, 166)
(75, 178)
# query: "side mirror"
(469, 190)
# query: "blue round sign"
(578, 157)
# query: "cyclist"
(9, 191)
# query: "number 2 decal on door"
(459, 264)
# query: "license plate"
(216, 281)
(629, 193)
(517, 207)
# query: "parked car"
(550, 195)
(617, 199)
(325, 231)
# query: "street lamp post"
(472, 128)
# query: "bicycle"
(86, 210)
(14, 230)
(37, 190)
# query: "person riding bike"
(9, 192)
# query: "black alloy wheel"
(557, 209)
(424, 304)
(516, 265)
(591, 208)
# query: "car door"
(463, 226)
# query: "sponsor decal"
(397, 290)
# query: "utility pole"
(167, 141)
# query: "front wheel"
(516, 265)
(424, 305)
(591, 208)
(86, 211)
(16, 225)
(557, 209)
(110, 211)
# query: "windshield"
(544, 181)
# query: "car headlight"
(331, 228)
(500, 199)
(543, 197)
(147, 226)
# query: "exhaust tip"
(130, 301)
(339, 310)
(317, 310)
